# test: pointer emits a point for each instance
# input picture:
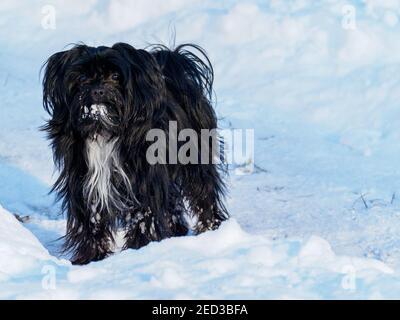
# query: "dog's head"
(95, 90)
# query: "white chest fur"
(104, 169)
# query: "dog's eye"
(115, 76)
(82, 78)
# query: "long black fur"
(155, 86)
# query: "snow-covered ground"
(320, 215)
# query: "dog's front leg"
(89, 241)
(209, 215)
(141, 228)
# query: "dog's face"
(101, 90)
(98, 93)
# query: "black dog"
(103, 101)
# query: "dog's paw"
(206, 225)
(89, 253)
(141, 231)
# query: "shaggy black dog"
(103, 101)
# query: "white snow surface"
(319, 217)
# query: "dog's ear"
(144, 81)
(54, 93)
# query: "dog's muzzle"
(94, 112)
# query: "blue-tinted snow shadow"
(25, 195)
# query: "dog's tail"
(188, 73)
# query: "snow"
(318, 217)
(228, 263)
(19, 248)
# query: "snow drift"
(318, 217)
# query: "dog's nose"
(97, 93)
